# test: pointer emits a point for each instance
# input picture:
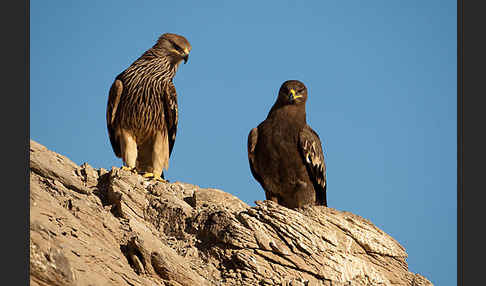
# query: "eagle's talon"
(160, 179)
(126, 168)
(152, 176)
(148, 175)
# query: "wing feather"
(171, 114)
(311, 151)
(252, 141)
(116, 90)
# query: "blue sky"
(381, 77)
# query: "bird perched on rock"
(142, 114)
(285, 154)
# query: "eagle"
(285, 154)
(142, 114)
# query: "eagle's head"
(176, 47)
(292, 92)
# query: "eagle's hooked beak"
(293, 96)
(186, 55)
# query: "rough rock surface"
(99, 227)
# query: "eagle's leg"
(160, 155)
(128, 147)
(154, 156)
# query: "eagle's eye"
(179, 49)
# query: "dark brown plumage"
(285, 154)
(142, 112)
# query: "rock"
(117, 228)
(207, 197)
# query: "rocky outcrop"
(97, 227)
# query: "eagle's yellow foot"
(132, 169)
(148, 175)
(159, 179)
(154, 177)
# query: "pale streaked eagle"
(142, 114)
(285, 154)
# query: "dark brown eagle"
(285, 154)
(142, 114)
